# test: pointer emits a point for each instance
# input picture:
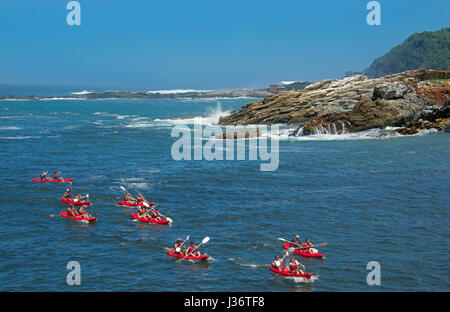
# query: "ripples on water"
(370, 199)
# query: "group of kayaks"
(295, 247)
(293, 268)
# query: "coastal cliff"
(413, 100)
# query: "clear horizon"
(148, 45)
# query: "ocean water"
(371, 199)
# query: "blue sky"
(205, 44)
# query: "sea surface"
(370, 198)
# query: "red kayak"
(149, 220)
(76, 203)
(56, 181)
(285, 272)
(132, 204)
(303, 253)
(173, 254)
(65, 214)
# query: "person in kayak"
(141, 199)
(142, 212)
(277, 263)
(294, 266)
(67, 195)
(83, 213)
(56, 176)
(296, 241)
(155, 215)
(128, 199)
(44, 176)
(307, 247)
(72, 211)
(178, 247)
(191, 250)
(79, 198)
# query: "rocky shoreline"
(411, 100)
(143, 95)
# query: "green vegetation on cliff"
(429, 50)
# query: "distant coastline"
(87, 95)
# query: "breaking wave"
(210, 118)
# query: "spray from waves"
(210, 118)
(82, 92)
(176, 91)
(303, 280)
(324, 134)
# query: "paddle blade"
(146, 205)
(282, 239)
(205, 240)
(170, 220)
(123, 189)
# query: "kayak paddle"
(153, 208)
(204, 241)
(292, 243)
(128, 193)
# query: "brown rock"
(328, 97)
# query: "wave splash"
(210, 118)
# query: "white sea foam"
(140, 125)
(20, 138)
(117, 116)
(176, 91)
(10, 128)
(304, 280)
(82, 92)
(210, 118)
(363, 135)
(59, 98)
(221, 98)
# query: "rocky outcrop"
(352, 104)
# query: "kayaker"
(72, 211)
(294, 266)
(56, 176)
(142, 212)
(155, 215)
(141, 199)
(178, 247)
(67, 195)
(306, 247)
(79, 198)
(296, 241)
(83, 213)
(277, 263)
(128, 199)
(191, 249)
(43, 176)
